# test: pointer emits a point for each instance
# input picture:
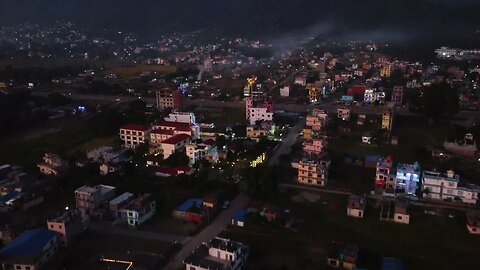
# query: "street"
(287, 142)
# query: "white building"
(198, 151)
(133, 135)
(181, 117)
(174, 144)
(285, 91)
(219, 253)
(259, 114)
(448, 187)
(356, 206)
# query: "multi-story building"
(356, 206)
(386, 70)
(388, 116)
(219, 254)
(31, 250)
(397, 95)
(159, 135)
(467, 147)
(133, 135)
(343, 113)
(179, 128)
(89, 199)
(342, 256)
(198, 151)
(301, 80)
(259, 114)
(265, 129)
(170, 99)
(140, 210)
(401, 214)
(315, 146)
(402, 179)
(52, 164)
(181, 117)
(68, 226)
(317, 120)
(448, 187)
(174, 144)
(313, 170)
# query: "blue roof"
(29, 243)
(390, 263)
(189, 203)
(7, 197)
(240, 215)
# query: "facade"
(301, 80)
(30, 250)
(401, 214)
(473, 223)
(342, 255)
(68, 226)
(174, 144)
(181, 117)
(397, 95)
(258, 131)
(159, 135)
(117, 206)
(52, 164)
(356, 206)
(388, 116)
(179, 128)
(343, 113)
(140, 210)
(170, 99)
(317, 120)
(219, 253)
(401, 179)
(313, 171)
(89, 199)
(447, 186)
(314, 146)
(386, 70)
(196, 152)
(133, 135)
(285, 91)
(259, 114)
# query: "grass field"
(131, 72)
(429, 242)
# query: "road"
(209, 232)
(287, 142)
(328, 107)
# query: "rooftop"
(176, 139)
(185, 206)
(163, 132)
(27, 245)
(89, 190)
(175, 125)
(136, 127)
(125, 196)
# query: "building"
(181, 117)
(473, 223)
(301, 80)
(356, 206)
(68, 226)
(240, 217)
(179, 128)
(343, 113)
(192, 210)
(218, 254)
(313, 170)
(198, 151)
(257, 131)
(285, 91)
(159, 135)
(401, 179)
(117, 206)
(140, 210)
(467, 147)
(315, 146)
(317, 120)
(52, 164)
(386, 70)
(343, 256)
(170, 99)
(447, 186)
(88, 199)
(30, 250)
(106, 154)
(174, 144)
(373, 96)
(133, 135)
(401, 214)
(397, 95)
(168, 171)
(259, 114)
(388, 116)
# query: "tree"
(220, 141)
(177, 159)
(440, 100)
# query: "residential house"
(174, 144)
(388, 116)
(401, 214)
(448, 186)
(133, 135)
(117, 206)
(198, 151)
(356, 206)
(313, 170)
(315, 146)
(397, 95)
(191, 210)
(317, 119)
(218, 254)
(259, 114)
(68, 226)
(140, 210)
(170, 99)
(343, 113)
(52, 164)
(473, 223)
(88, 199)
(31, 250)
(240, 218)
(343, 256)
(401, 179)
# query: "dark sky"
(397, 18)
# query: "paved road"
(211, 231)
(287, 142)
(329, 108)
(108, 228)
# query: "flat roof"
(125, 196)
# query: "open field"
(429, 242)
(130, 72)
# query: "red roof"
(174, 171)
(135, 127)
(163, 131)
(175, 125)
(176, 139)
